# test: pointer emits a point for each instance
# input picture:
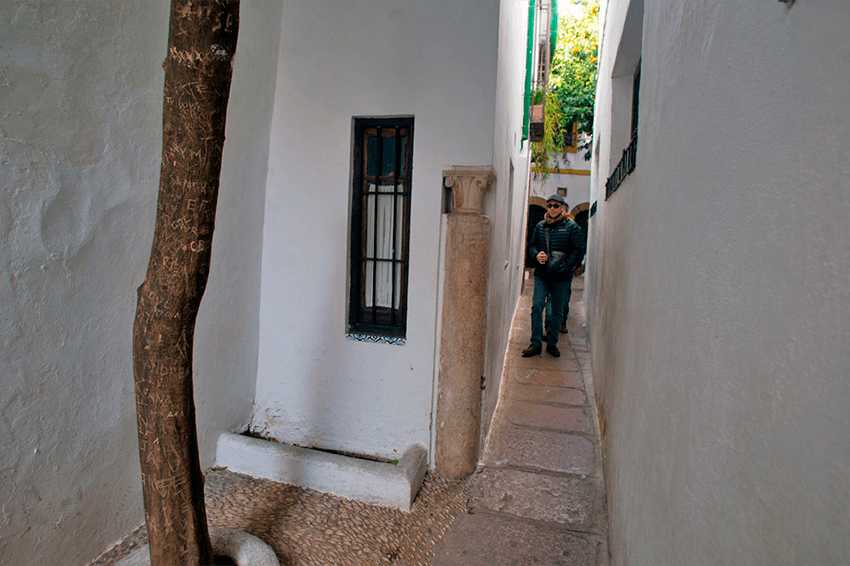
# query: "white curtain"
(381, 217)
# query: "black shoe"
(531, 351)
(553, 351)
(564, 328)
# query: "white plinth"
(377, 483)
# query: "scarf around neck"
(555, 219)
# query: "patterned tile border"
(395, 341)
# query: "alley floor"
(537, 499)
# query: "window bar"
(379, 163)
(408, 188)
(624, 168)
(395, 220)
(356, 301)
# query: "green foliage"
(543, 153)
(573, 72)
(572, 85)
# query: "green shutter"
(526, 101)
(553, 30)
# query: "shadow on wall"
(581, 213)
(536, 212)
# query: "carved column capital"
(468, 184)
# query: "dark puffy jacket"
(564, 236)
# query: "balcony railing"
(624, 168)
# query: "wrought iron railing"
(624, 168)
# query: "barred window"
(380, 226)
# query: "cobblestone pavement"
(308, 528)
(538, 499)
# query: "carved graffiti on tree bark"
(198, 70)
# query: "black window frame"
(636, 99)
(378, 320)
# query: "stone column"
(464, 320)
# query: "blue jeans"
(566, 306)
(559, 293)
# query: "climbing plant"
(572, 87)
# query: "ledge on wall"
(372, 482)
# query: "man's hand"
(542, 258)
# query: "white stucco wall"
(719, 288)
(227, 338)
(80, 129)
(506, 204)
(435, 61)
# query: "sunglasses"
(553, 205)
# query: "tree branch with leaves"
(571, 92)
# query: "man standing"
(557, 245)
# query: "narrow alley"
(538, 497)
(372, 172)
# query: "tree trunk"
(198, 70)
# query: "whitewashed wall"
(435, 61)
(719, 287)
(506, 204)
(80, 131)
(226, 344)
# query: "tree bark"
(198, 70)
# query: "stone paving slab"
(550, 377)
(563, 419)
(546, 450)
(484, 539)
(582, 355)
(585, 366)
(571, 501)
(548, 394)
(544, 361)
